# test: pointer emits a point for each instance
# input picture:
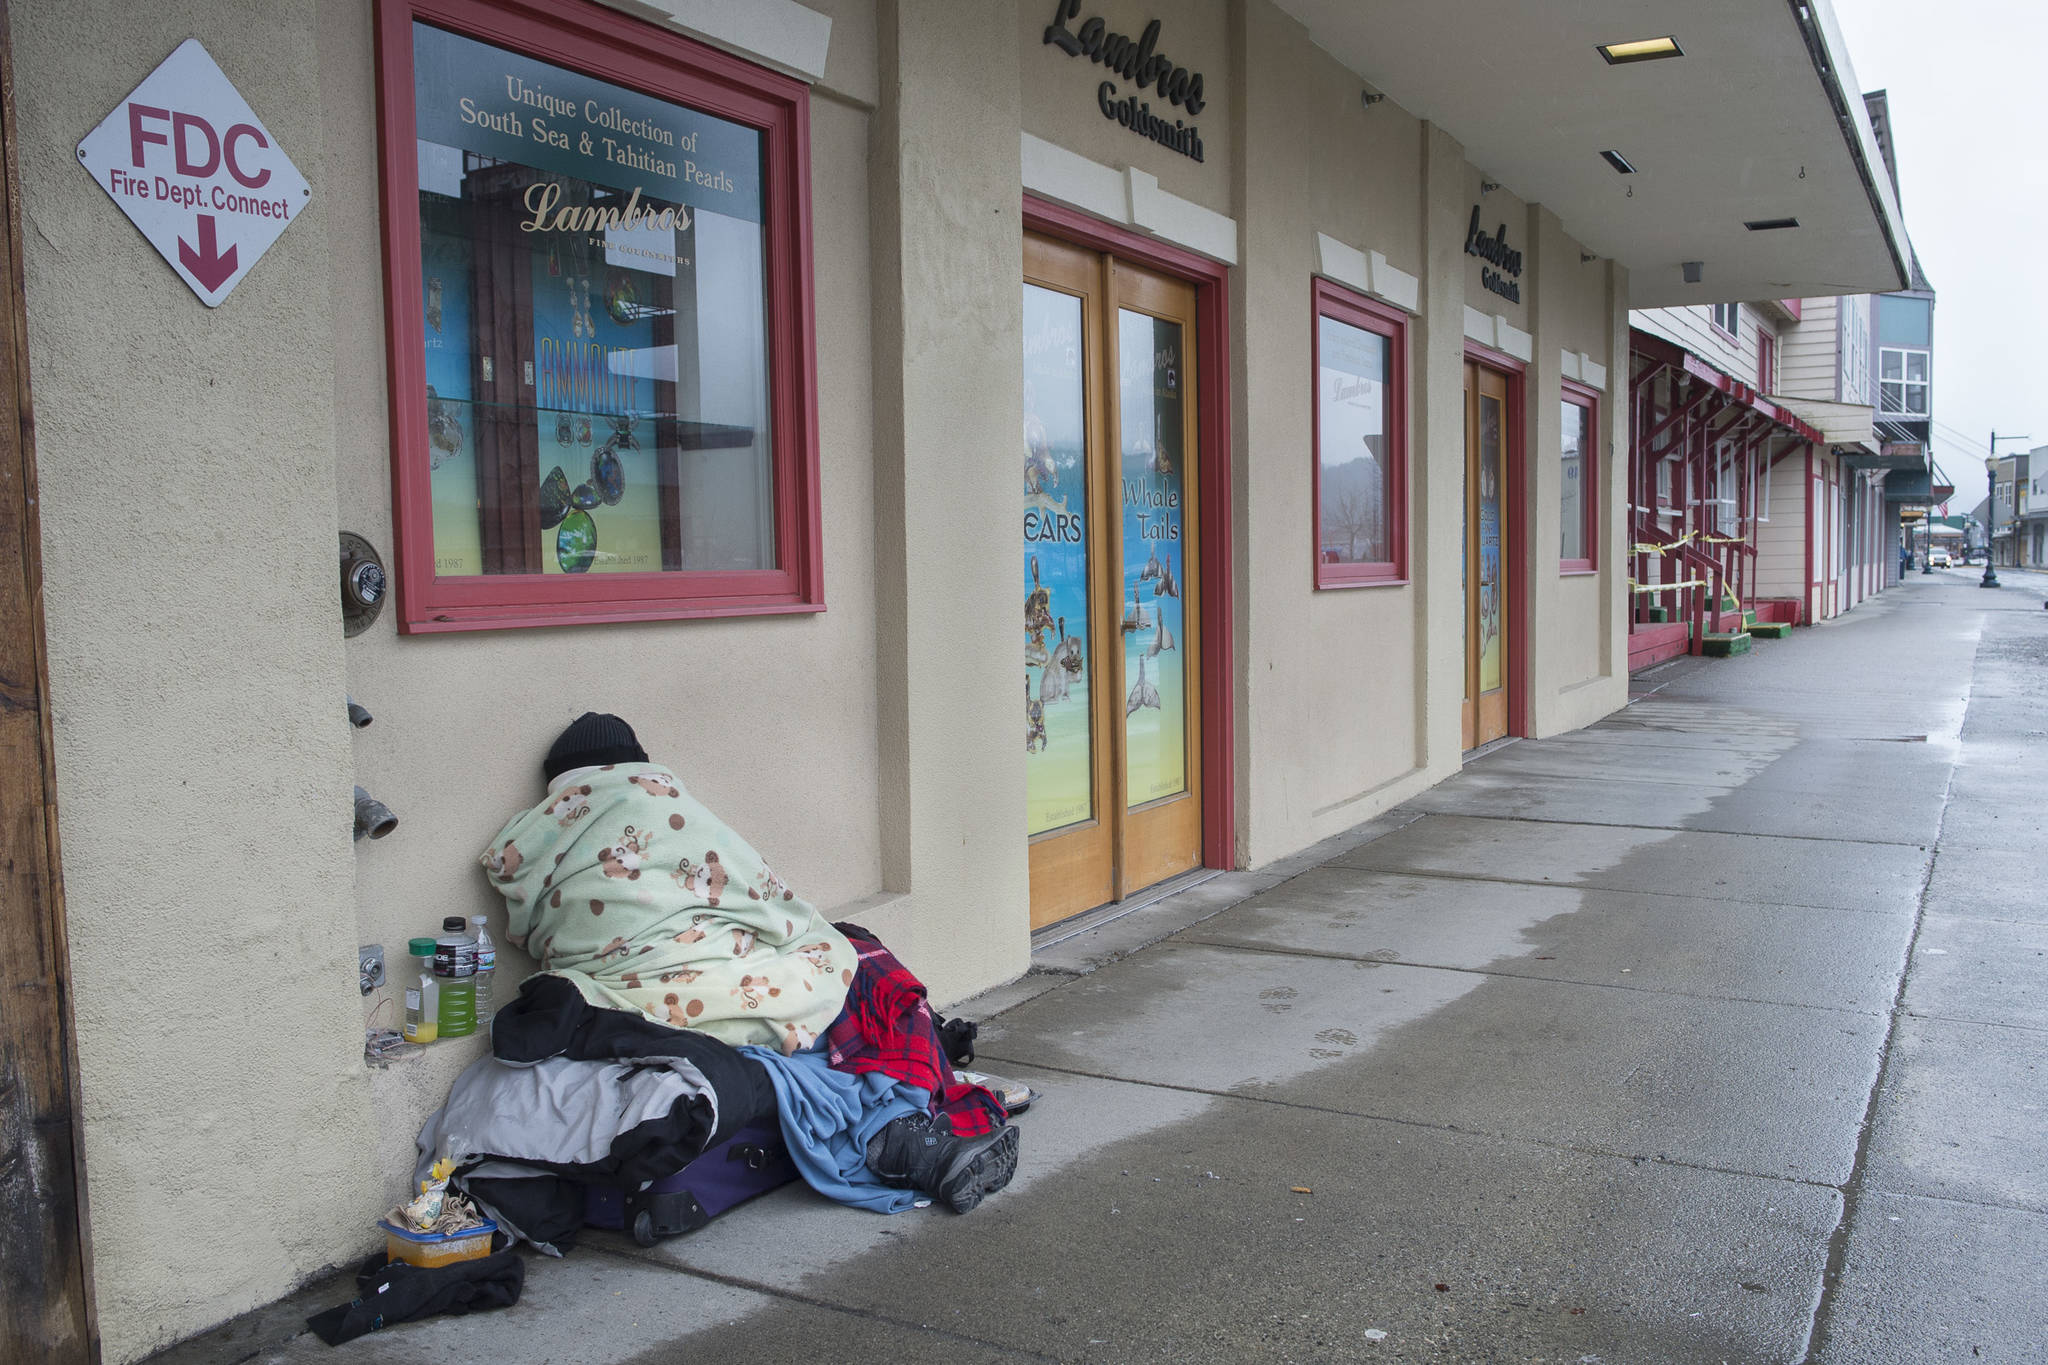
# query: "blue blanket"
(828, 1117)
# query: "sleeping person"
(625, 887)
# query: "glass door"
(1112, 701)
(1486, 621)
(1068, 741)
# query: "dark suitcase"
(752, 1161)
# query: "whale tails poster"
(1152, 486)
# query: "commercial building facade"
(2033, 510)
(741, 372)
(1776, 446)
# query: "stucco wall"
(463, 720)
(1498, 207)
(1568, 298)
(197, 659)
(186, 458)
(1330, 692)
(949, 356)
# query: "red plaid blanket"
(887, 1027)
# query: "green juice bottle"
(423, 1002)
(455, 971)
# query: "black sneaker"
(920, 1153)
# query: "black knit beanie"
(590, 741)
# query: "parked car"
(1938, 559)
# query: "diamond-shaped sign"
(189, 163)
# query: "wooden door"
(1111, 627)
(45, 1303)
(1486, 555)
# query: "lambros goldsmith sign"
(1138, 61)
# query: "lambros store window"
(600, 322)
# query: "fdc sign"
(188, 162)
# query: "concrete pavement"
(1714, 1032)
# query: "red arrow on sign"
(209, 265)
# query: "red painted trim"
(614, 47)
(1514, 531)
(1796, 307)
(1212, 351)
(1332, 300)
(1514, 492)
(1654, 643)
(1661, 351)
(1587, 397)
(1812, 595)
(1494, 360)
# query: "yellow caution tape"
(1644, 547)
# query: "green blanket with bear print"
(625, 885)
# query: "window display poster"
(567, 208)
(1058, 720)
(1151, 486)
(505, 106)
(1351, 437)
(1489, 543)
(451, 420)
(595, 378)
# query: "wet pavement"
(1715, 1032)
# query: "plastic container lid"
(421, 947)
(454, 924)
(483, 1229)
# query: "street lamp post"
(1990, 579)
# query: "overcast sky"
(1970, 128)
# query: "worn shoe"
(919, 1152)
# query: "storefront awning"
(1660, 352)
(1758, 121)
(1898, 463)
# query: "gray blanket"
(519, 1131)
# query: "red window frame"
(1334, 301)
(1582, 396)
(1766, 361)
(624, 51)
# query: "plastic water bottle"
(486, 973)
(455, 966)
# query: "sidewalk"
(1715, 1032)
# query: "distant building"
(1779, 442)
(2019, 513)
(2033, 509)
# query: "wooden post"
(46, 1311)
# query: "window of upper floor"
(1902, 382)
(1905, 321)
(1728, 318)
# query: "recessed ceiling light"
(1770, 224)
(1618, 161)
(1642, 50)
